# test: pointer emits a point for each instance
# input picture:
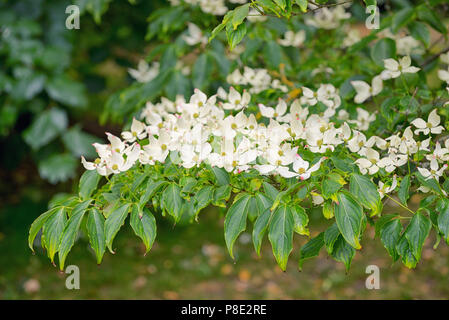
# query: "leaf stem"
(397, 202)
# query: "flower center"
(164, 147)
(114, 167)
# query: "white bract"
(431, 126)
(144, 73)
(393, 68)
(293, 39)
(365, 91)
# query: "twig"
(434, 57)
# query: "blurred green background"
(54, 84)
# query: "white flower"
(441, 154)
(372, 163)
(384, 188)
(394, 68)
(195, 35)
(137, 131)
(434, 171)
(365, 91)
(445, 58)
(144, 72)
(236, 100)
(277, 113)
(364, 119)
(303, 169)
(358, 143)
(431, 126)
(444, 75)
(293, 39)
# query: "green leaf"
(370, 2)
(260, 228)
(151, 189)
(311, 249)
(416, 233)
(270, 191)
(330, 236)
(172, 201)
(216, 31)
(403, 192)
(202, 198)
(46, 127)
(221, 195)
(221, 176)
(28, 87)
(349, 217)
(58, 167)
(343, 252)
(331, 184)
(95, 231)
(301, 220)
(403, 248)
(419, 31)
(71, 231)
(114, 222)
(343, 164)
(38, 224)
(178, 84)
(263, 202)
(273, 54)
(239, 15)
(328, 210)
(52, 231)
(88, 183)
(202, 70)
(280, 234)
(427, 15)
(67, 91)
(429, 183)
(281, 3)
(383, 49)
(443, 218)
(144, 226)
(302, 5)
(79, 143)
(390, 233)
(268, 5)
(365, 191)
(382, 221)
(402, 18)
(235, 221)
(235, 36)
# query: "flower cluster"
(257, 79)
(199, 131)
(215, 7)
(327, 18)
